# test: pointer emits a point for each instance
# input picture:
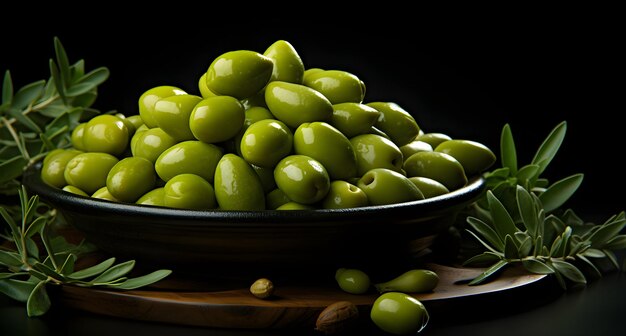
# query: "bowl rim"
(73, 202)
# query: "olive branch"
(520, 220)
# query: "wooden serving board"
(292, 306)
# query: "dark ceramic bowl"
(270, 240)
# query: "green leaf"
(485, 257)
(537, 267)
(556, 245)
(502, 220)
(45, 239)
(508, 152)
(569, 271)
(93, 270)
(612, 257)
(89, 82)
(488, 272)
(78, 70)
(58, 81)
(560, 280)
(606, 232)
(482, 242)
(593, 267)
(12, 275)
(10, 259)
(510, 248)
(35, 226)
(38, 302)
(527, 210)
(7, 89)
(142, 281)
(63, 62)
(48, 271)
(28, 94)
(16, 289)
(68, 264)
(12, 168)
(565, 237)
(616, 243)
(550, 147)
(525, 247)
(538, 245)
(114, 272)
(559, 192)
(31, 248)
(486, 231)
(594, 253)
(526, 174)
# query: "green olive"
(239, 73)
(151, 143)
(130, 178)
(172, 115)
(54, 152)
(237, 186)
(106, 134)
(429, 187)
(344, 195)
(154, 197)
(216, 119)
(150, 97)
(77, 136)
(353, 119)
(433, 138)
(189, 191)
(336, 85)
(295, 104)
(256, 100)
(438, 166)
(473, 156)
(352, 280)
(414, 147)
(204, 90)
(266, 142)
(192, 157)
(133, 122)
(324, 143)
(74, 190)
(53, 168)
(309, 72)
(385, 186)
(288, 66)
(275, 199)
(295, 206)
(104, 194)
(374, 151)
(302, 178)
(397, 123)
(411, 281)
(399, 313)
(266, 176)
(88, 171)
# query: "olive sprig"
(25, 271)
(520, 220)
(40, 116)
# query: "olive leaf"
(142, 281)
(38, 301)
(550, 146)
(93, 270)
(559, 192)
(508, 153)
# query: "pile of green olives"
(260, 132)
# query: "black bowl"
(269, 240)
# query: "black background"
(465, 72)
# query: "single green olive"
(429, 187)
(74, 190)
(88, 171)
(324, 143)
(150, 97)
(414, 147)
(295, 206)
(106, 134)
(193, 157)
(239, 73)
(54, 152)
(412, 281)
(151, 143)
(275, 199)
(302, 178)
(352, 280)
(257, 99)
(237, 186)
(77, 136)
(399, 313)
(396, 122)
(216, 119)
(154, 197)
(438, 166)
(309, 72)
(433, 138)
(254, 114)
(266, 142)
(266, 176)
(386, 186)
(130, 178)
(172, 115)
(353, 119)
(336, 85)
(53, 168)
(142, 128)
(288, 66)
(189, 191)
(104, 194)
(374, 151)
(133, 122)
(204, 90)
(295, 104)
(473, 156)
(344, 195)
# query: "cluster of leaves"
(520, 220)
(25, 270)
(39, 116)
